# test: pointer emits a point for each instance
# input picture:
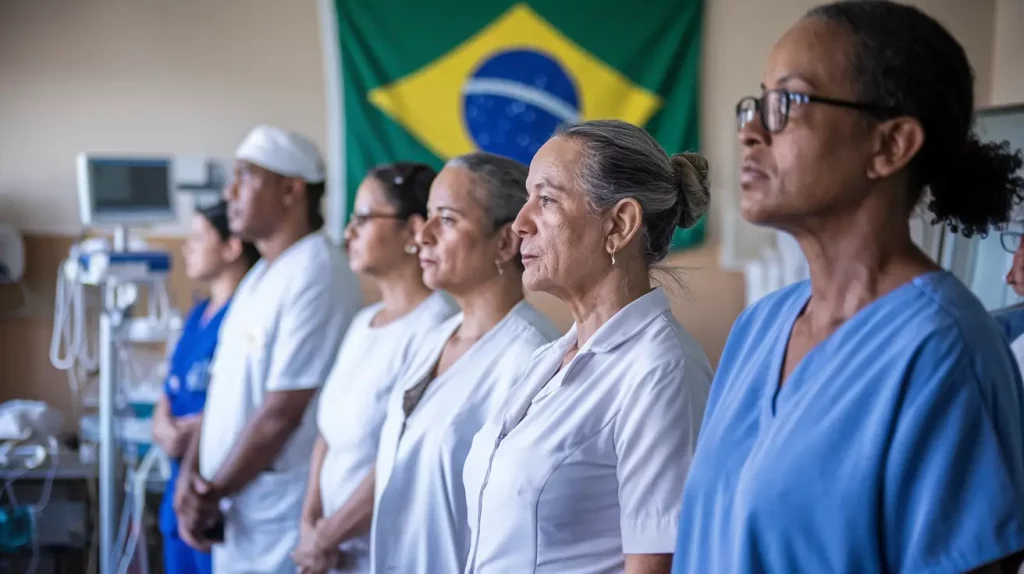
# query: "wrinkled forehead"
(815, 56)
(555, 164)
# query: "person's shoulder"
(438, 307)
(942, 310)
(317, 261)
(778, 301)
(527, 328)
(364, 316)
(766, 314)
(945, 332)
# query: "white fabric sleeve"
(308, 335)
(655, 435)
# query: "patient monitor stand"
(112, 271)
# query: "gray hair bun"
(693, 187)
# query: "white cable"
(70, 320)
(122, 529)
(51, 474)
(138, 488)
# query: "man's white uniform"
(281, 333)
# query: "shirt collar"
(622, 327)
(625, 324)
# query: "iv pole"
(110, 320)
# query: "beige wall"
(1008, 53)
(190, 76)
(143, 76)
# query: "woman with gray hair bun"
(462, 370)
(583, 469)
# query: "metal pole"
(108, 437)
(109, 321)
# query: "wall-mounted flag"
(426, 84)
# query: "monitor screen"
(123, 191)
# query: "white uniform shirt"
(587, 463)
(354, 402)
(419, 518)
(281, 333)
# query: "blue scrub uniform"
(185, 388)
(1011, 319)
(894, 446)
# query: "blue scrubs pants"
(180, 558)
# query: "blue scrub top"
(1011, 319)
(896, 445)
(185, 386)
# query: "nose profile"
(425, 232)
(753, 133)
(231, 190)
(523, 223)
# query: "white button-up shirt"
(281, 333)
(420, 524)
(354, 402)
(587, 463)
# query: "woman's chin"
(534, 280)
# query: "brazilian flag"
(425, 81)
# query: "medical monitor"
(124, 191)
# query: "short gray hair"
(503, 181)
(623, 161)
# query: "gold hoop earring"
(498, 266)
(411, 249)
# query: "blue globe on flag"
(514, 101)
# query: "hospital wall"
(190, 77)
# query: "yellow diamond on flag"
(506, 88)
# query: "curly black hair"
(906, 62)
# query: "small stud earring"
(411, 249)
(498, 266)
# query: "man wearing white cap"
(247, 470)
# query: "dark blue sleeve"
(1011, 320)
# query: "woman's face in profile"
(1015, 277)
(563, 240)
(375, 240)
(458, 248)
(203, 251)
(817, 162)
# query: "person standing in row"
(390, 208)
(461, 372)
(220, 260)
(870, 419)
(250, 464)
(583, 470)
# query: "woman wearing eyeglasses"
(1011, 319)
(869, 419)
(390, 207)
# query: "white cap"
(282, 152)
